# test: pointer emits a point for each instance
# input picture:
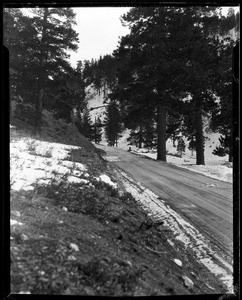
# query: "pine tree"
(113, 126)
(171, 53)
(102, 73)
(154, 68)
(210, 76)
(174, 123)
(222, 116)
(149, 135)
(133, 138)
(19, 38)
(224, 147)
(97, 130)
(200, 57)
(181, 146)
(78, 121)
(136, 137)
(45, 39)
(147, 67)
(86, 125)
(66, 95)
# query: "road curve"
(205, 202)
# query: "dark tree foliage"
(171, 53)
(66, 95)
(222, 119)
(224, 147)
(38, 52)
(200, 62)
(113, 125)
(149, 135)
(181, 146)
(86, 126)
(156, 55)
(143, 134)
(175, 121)
(211, 80)
(97, 128)
(20, 39)
(101, 73)
(136, 138)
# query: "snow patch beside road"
(105, 178)
(111, 158)
(212, 170)
(182, 230)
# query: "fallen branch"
(154, 251)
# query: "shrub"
(76, 197)
(25, 112)
(111, 276)
(31, 145)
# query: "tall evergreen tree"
(86, 125)
(205, 70)
(149, 134)
(97, 130)
(149, 70)
(46, 37)
(20, 39)
(113, 126)
(171, 53)
(222, 119)
(181, 146)
(66, 94)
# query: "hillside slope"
(75, 230)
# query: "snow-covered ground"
(39, 162)
(94, 100)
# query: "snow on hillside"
(36, 161)
(94, 99)
(215, 166)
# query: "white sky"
(99, 30)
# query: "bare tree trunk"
(161, 127)
(199, 133)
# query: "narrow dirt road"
(205, 202)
